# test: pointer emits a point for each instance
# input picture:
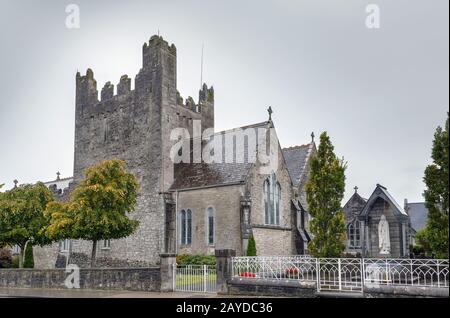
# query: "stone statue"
(383, 236)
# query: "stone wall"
(260, 287)
(273, 239)
(384, 291)
(139, 279)
(226, 203)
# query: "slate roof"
(418, 214)
(296, 159)
(391, 198)
(195, 175)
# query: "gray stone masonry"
(224, 269)
(168, 262)
(139, 279)
(135, 126)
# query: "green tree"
(436, 194)
(22, 216)
(421, 242)
(98, 207)
(29, 259)
(324, 193)
(251, 248)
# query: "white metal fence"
(195, 278)
(345, 274)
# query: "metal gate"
(195, 278)
(340, 274)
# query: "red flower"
(247, 274)
(292, 270)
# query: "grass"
(192, 279)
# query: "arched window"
(186, 227)
(210, 231)
(354, 234)
(266, 201)
(272, 200)
(277, 200)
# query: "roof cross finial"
(312, 136)
(58, 175)
(356, 189)
(270, 111)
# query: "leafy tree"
(98, 207)
(324, 193)
(29, 259)
(436, 194)
(22, 216)
(251, 248)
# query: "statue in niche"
(383, 236)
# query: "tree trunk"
(21, 256)
(94, 253)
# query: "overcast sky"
(380, 93)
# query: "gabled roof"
(196, 175)
(381, 192)
(418, 214)
(60, 184)
(296, 160)
(354, 207)
(355, 198)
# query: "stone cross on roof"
(270, 111)
(312, 136)
(356, 189)
(58, 176)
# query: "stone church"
(379, 226)
(183, 207)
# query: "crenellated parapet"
(86, 89)
(151, 48)
(206, 95)
(87, 102)
(155, 81)
(124, 86)
(107, 91)
(206, 106)
(205, 100)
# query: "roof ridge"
(61, 179)
(241, 127)
(297, 146)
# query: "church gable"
(353, 207)
(385, 226)
(381, 192)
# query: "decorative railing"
(195, 278)
(414, 272)
(345, 273)
(275, 267)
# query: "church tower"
(135, 126)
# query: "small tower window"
(186, 227)
(210, 226)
